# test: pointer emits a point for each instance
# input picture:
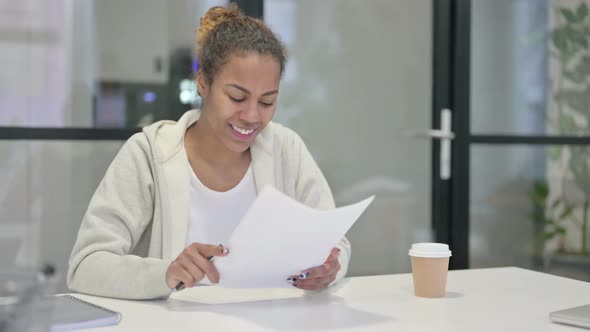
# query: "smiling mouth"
(242, 130)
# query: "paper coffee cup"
(430, 264)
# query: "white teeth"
(242, 131)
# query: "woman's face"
(241, 99)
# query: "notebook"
(578, 316)
(71, 313)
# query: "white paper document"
(280, 237)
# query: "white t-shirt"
(214, 215)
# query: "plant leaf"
(556, 203)
(549, 235)
(541, 188)
(578, 37)
(569, 15)
(582, 11)
(566, 213)
(559, 38)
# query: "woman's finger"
(193, 264)
(316, 272)
(316, 282)
(206, 266)
(334, 254)
(193, 269)
(316, 286)
(180, 274)
(319, 271)
(208, 250)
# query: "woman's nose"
(250, 113)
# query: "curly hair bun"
(213, 17)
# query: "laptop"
(578, 316)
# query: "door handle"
(445, 135)
(440, 134)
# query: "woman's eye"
(266, 104)
(237, 100)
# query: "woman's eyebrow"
(233, 85)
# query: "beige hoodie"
(136, 222)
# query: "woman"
(178, 189)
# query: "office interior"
(365, 83)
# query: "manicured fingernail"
(224, 251)
(290, 280)
(304, 275)
(295, 280)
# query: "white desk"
(500, 299)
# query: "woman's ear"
(202, 86)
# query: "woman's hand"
(193, 264)
(318, 277)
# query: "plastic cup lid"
(430, 250)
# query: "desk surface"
(499, 299)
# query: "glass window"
(510, 67)
(46, 188)
(530, 67)
(530, 207)
(97, 63)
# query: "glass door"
(526, 111)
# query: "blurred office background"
(77, 77)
